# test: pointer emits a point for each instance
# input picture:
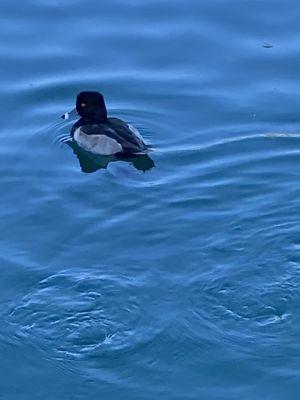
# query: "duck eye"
(83, 104)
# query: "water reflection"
(91, 163)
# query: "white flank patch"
(97, 144)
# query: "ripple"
(85, 315)
(230, 140)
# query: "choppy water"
(181, 282)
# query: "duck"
(99, 134)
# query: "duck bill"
(71, 114)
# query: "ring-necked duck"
(98, 134)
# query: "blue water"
(180, 282)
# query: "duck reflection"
(91, 162)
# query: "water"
(181, 282)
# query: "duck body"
(98, 134)
(109, 137)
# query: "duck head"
(90, 106)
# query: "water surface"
(181, 282)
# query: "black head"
(91, 106)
